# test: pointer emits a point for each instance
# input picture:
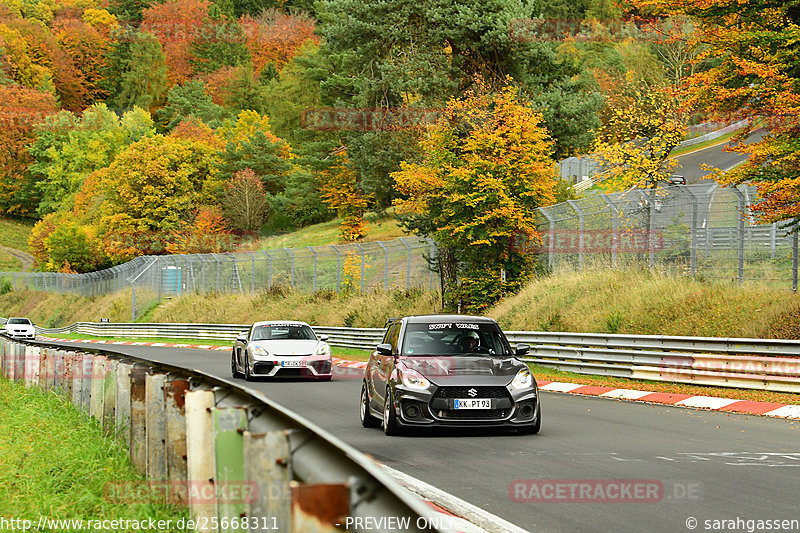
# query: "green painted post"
(229, 424)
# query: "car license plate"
(473, 403)
(293, 363)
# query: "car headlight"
(260, 351)
(414, 380)
(324, 349)
(523, 379)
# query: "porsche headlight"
(414, 380)
(324, 349)
(523, 379)
(260, 351)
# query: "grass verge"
(379, 228)
(9, 263)
(14, 233)
(55, 462)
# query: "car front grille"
(464, 392)
(473, 414)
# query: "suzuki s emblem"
(472, 393)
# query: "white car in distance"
(19, 328)
(281, 349)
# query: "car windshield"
(271, 332)
(450, 338)
(19, 321)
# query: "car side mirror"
(384, 349)
(242, 337)
(522, 349)
(323, 338)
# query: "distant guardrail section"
(765, 364)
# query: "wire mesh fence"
(700, 230)
(400, 263)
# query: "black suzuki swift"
(448, 370)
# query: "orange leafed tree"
(207, 233)
(751, 46)
(275, 37)
(177, 24)
(20, 108)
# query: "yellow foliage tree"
(340, 190)
(642, 126)
(486, 168)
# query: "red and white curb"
(777, 410)
(771, 409)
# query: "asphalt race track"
(712, 465)
(689, 164)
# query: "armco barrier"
(766, 364)
(230, 454)
(364, 338)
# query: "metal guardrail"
(364, 338)
(223, 450)
(766, 364)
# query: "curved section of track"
(713, 465)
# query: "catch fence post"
(581, 229)
(338, 268)
(363, 264)
(385, 266)
(740, 234)
(314, 253)
(408, 263)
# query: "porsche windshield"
(450, 338)
(273, 332)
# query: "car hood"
(457, 370)
(288, 347)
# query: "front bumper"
(306, 366)
(21, 334)
(415, 408)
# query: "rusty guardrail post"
(122, 411)
(200, 458)
(318, 507)
(110, 397)
(60, 369)
(31, 362)
(155, 428)
(138, 449)
(268, 470)
(87, 372)
(175, 414)
(97, 394)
